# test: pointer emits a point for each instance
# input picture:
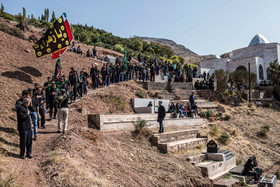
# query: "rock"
(27, 50)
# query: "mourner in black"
(24, 128)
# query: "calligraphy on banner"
(55, 38)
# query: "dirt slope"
(245, 141)
(76, 159)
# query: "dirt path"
(28, 171)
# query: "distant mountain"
(179, 49)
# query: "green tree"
(46, 15)
(137, 45)
(23, 12)
(243, 77)
(2, 9)
(53, 19)
(274, 71)
(32, 16)
(222, 78)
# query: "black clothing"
(25, 142)
(53, 105)
(161, 112)
(64, 101)
(18, 104)
(24, 118)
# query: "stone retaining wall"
(116, 122)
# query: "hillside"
(180, 50)
(83, 156)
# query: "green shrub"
(264, 130)
(140, 94)
(267, 105)
(164, 91)
(224, 137)
(119, 103)
(252, 109)
(227, 117)
(203, 114)
(277, 173)
(214, 130)
(141, 130)
(250, 104)
(238, 161)
(249, 112)
(209, 113)
(118, 48)
(266, 126)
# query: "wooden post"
(249, 70)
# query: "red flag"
(56, 54)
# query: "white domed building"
(259, 53)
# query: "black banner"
(54, 39)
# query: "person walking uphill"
(63, 111)
(161, 116)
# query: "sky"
(203, 26)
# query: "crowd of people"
(31, 106)
(181, 111)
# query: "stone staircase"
(171, 142)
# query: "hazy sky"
(203, 26)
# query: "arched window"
(241, 68)
(260, 72)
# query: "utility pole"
(249, 70)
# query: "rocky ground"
(244, 127)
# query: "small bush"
(224, 137)
(140, 94)
(203, 114)
(249, 113)
(277, 173)
(238, 161)
(141, 130)
(252, 109)
(119, 102)
(267, 105)
(228, 175)
(266, 126)
(227, 117)
(219, 114)
(264, 130)
(200, 146)
(140, 124)
(164, 91)
(214, 130)
(250, 104)
(209, 113)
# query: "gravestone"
(110, 59)
(212, 147)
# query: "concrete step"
(172, 147)
(174, 136)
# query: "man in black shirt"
(161, 116)
(153, 72)
(47, 87)
(19, 102)
(63, 111)
(74, 82)
(24, 129)
(40, 106)
(104, 75)
(82, 84)
(94, 53)
(53, 94)
(94, 76)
